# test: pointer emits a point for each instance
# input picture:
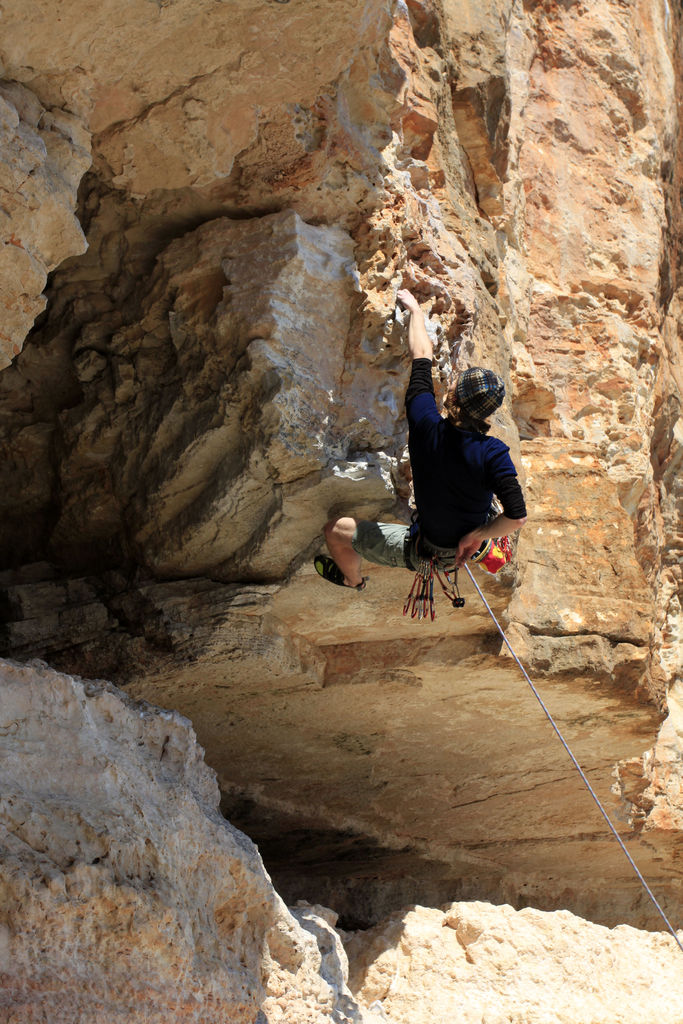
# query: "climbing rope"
(577, 765)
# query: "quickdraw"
(432, 560)
(420, 600)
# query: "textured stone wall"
(222, 370)
(497, 964)
(126, 895)
(45, 153)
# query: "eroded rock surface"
(126, 895)
(45, 153)
(497, 964)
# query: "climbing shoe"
(330, 571)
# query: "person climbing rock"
(457, 469)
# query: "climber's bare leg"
(339, 535)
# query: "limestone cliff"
(222, 370)
(126, 894)
(496, 964)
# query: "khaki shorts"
(383, 543)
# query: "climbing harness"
(433, 561)
(577, 766)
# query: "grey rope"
(577, 765)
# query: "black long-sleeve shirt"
(456, 472)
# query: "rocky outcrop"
(497, 964)
(596, 161)
(45, 154)
(126, 894)
(223, 370)
(238, 348)
(652, 785)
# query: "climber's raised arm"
(418, 340)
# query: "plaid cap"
(479, 392)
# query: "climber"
(456, 470)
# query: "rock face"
(222, 371)
(236, 458)
(496, 964)
(126, 895)
(45, 154)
